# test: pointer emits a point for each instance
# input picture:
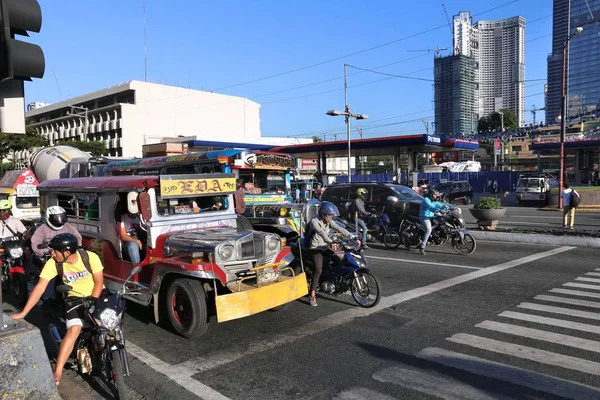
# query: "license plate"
(266, 275)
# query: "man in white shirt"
(568, 209)
(9, 225)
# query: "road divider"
(538, 238)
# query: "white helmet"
(56, 217)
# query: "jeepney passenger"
(129, 229)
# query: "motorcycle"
(444, 227)
(378, 229)
(348, 271)
(12, 267)
(100, 348)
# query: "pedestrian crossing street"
(558, 331)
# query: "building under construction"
(455, 100)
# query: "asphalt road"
(509, 321)
(531, 217)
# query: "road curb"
(594, 209)
(551, 240)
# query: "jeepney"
(194, 246)
(20, 188)
(534, 188)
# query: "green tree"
(12, 142)
(94, 148)
(494, 121)
(316, 139)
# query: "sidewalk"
(543, 236)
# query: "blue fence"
(479, 181)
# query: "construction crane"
(534, 110)
(436, 50)
(451, 29)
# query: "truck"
(60, 162)
(534, 188)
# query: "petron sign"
(196, 185)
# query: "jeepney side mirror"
(132, 204)
(145, 207)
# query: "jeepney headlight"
(16, 252)
(283, 212)
(273, 243)
(225, 252)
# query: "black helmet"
(432, 192)
(64, 242)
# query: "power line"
(391, 75)
(356, 52)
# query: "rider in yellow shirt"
(63, 249)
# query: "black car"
(408, 201)
(452, 191)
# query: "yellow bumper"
(248, 300)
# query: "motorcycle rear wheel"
(19, 287)
(367, 293)
(117, 371)
(466, 246)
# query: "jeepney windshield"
(264, 182)
(191, 205)
(530, 183)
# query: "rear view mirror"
(63, 289)
(132, 204)
(145, 206)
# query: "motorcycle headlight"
(462, 221)
(225, 252)
(110, 319)
(273, 243)
(16, 252)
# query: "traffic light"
(18, 59)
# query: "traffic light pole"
(12, 106)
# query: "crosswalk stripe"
(578, 326)
(507, 373)
(576, 293)
(582, 285)
(360, 393)
(429, 383)
(528, 353)
(597, 269)
(551, 337)
(584, 279)
(577, 302)
(593, 273)
(560, 310)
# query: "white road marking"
(564, 300)
(360, 393)
(435, 385)
(507, 373)
(178, 374)
(217, 359)
(560, 310)
(423, 262)
(582, 285)
(551, 337)
(597, 269)
(531, 216)
(578, 326)
(513, 243)
(584, 279)
(593, 273)
(576, 293)
(528, 353)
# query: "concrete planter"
(487, 219)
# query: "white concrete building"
(498, 47)
(134, 113)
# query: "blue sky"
(214, 45)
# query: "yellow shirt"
(75, 275)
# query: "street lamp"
(347, 113)
(563, 119)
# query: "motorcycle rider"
(321, 246)
(357, 211)
(9, 225)
(55, 223)
(429, 207)
(63, 249)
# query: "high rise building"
(498, 48)
(584, 58)
(455, 102)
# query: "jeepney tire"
(192, 293)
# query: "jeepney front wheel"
(186, 307)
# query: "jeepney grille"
(253, 249)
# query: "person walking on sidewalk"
(568, 207)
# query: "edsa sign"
(194, 185)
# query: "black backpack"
(575, 199)
(85, 258)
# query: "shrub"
(488, 203)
